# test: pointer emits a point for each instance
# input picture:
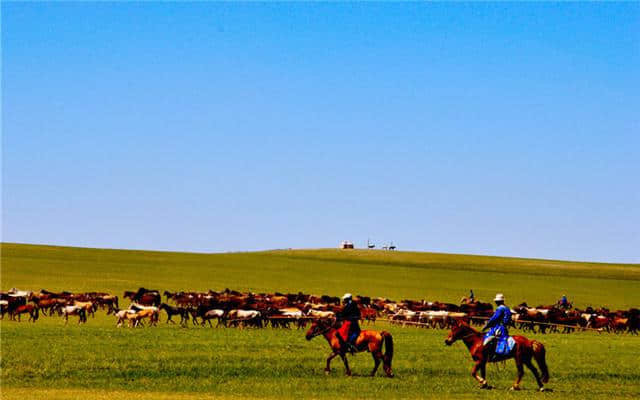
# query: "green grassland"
(50, 360)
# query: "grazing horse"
(371, 341)
(523, 352)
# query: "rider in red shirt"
(350, 315)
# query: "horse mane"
(468, 327)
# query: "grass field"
(49, 360)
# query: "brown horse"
(367, 341)
(522, 353)
(29, 308)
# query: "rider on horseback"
(563, 303)
(498, 324)
(350, 329)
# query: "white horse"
(434, 317)
(290, 312)
(245, 316)
(321, 314)
(13, 292)
(74, 310)
(211, 314)
(122, 316)
(139, 307)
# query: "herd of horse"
(232, 308)
(543, 319)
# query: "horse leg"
(534, 370)
(474, 374)
(209, 321)
(377, 356)
(346, 364)
(327, 369)
(516, 385)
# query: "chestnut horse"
(523, 351)
(367, 341)
(29, 308)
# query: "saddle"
(500, 347)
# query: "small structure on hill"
(346, 244)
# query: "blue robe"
(498, 328)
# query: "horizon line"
(2, 243)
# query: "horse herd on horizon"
(232, 308)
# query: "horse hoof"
(514, 388)
(327, 372)
(544, 389)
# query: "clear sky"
(501, 129)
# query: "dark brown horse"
(367, 341)
(31, 309)
(523, 353)
(145, 297)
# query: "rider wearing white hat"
(498, 323)
(350, 315)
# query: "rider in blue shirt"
(564, 303)
(498, 326)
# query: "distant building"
(346, 244)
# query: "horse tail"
(388, 347)
(115, 301)
(539, 353)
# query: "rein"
(468, 336)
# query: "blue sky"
(502, 129)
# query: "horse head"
(318, 327)
(459, 330)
